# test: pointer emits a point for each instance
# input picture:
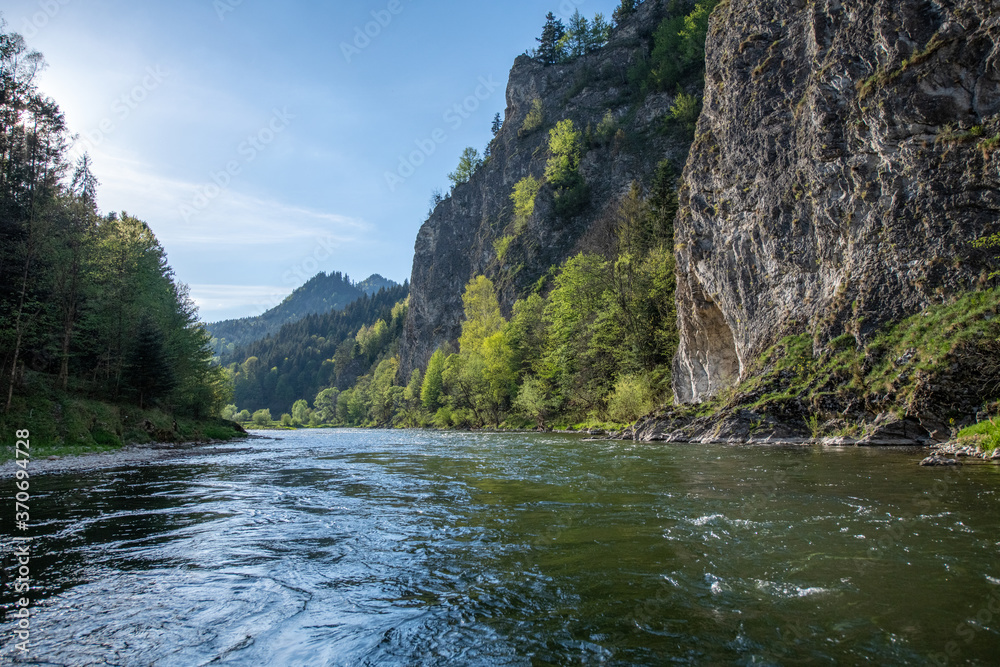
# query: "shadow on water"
(379, 547)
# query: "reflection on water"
(401, 548)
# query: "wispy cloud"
(220, 301)
(235, 218)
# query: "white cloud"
(214, 301)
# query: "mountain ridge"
(320, 294)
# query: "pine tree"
(548, 44)
(625, 9)
(84, 184)
(149, 371)
(600, 32)
(579, 34)
(497, 124)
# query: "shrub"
(631, 399)
(501, 245)
(523, 196)
(534, 119)
(685, 110)
(607, 127)
(262, 417)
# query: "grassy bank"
(985, 434)
(66, 425)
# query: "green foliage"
(607, 127)
(986, 242)
(523, 196)
(565, 150)
(533, 119)
(625, 9)
(535, 401)
(326, 405)
(893, 367)
(562, 169)
(482, 314)
(630, 400)
(685, 110)
(319, 352)
(501, 245)
(985, 434)
(229, 412)
(433, 385)
(320, 294)
(678, 49)
(89, 305)
(243, 416)
(548, 51)
(262, 417)
(301, 412)
(286, 420)
(468, 163)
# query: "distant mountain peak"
(320, 294)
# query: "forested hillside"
(94, 327)
(563, 311)
(320, 294)
(319, 352)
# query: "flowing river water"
(354, 547)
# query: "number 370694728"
(22, 454)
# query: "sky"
(256, 137)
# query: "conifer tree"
(548, 44)
(625, 9)
(497, 124)
(579, 34)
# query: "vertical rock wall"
(842, 164)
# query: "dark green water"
(420, 548)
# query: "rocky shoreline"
(129, 455)
(940, 453)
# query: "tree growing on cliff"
(523, 196)
(578, 36)
(562, 171)
(548, 51)
(468, 163)
(625, 9)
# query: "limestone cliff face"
(841, 165)
(456, 243)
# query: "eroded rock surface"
(843, 162)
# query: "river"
(356, 547)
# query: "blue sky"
(255, 136)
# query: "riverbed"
(361, 547)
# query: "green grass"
(890, 372)
(985, 434)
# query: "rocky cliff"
(844, 160)
(456, 243)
